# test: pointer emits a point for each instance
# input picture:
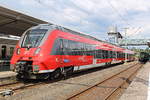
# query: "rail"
(106, 89)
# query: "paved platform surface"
(139, 89)
(6, 74)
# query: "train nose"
(23, 66)
(33, 52)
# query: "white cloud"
(90, 16)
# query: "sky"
(92, 17)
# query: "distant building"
(114, 35)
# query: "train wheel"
(107, 64)
(20, 77)
(69, 70)
(56, 74)
(122, 62)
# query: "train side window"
(103, 54)
(69, 47)
(107, 54)
(65, 46)
(81, 45)
(116, 54)
(61, 47)
(56, 49)
(70, 44)
(3, 51)
(82, 48)
(111, 56)
(100, 54)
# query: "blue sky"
(90, 16)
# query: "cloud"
(90, 16)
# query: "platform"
(139, 89)
(7, 77)
(7, 74)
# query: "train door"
(61, 50)
(3, 51)
(64, 52)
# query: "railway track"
(110, 88)
(9, 89)
(7, 80)
(13, 87)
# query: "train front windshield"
(33, 38)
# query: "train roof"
(86, 36)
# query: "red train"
(48, 51)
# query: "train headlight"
(37, 51)
(18, 51)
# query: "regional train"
(144, 57)
(49, 51)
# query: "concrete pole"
(126, 43)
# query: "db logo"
(82, 59)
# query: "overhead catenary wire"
(120, 16)
(47, 6)
(138, 30)
(117, 12)
(111, 5)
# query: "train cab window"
(33, 38)
(3, 51)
